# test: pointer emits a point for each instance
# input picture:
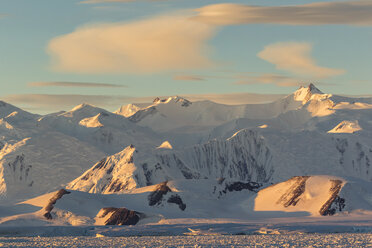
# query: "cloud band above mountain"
(318, 13)
(74, 84)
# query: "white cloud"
(154, 45)
(295, 57)
(74, 84)
(318, 13)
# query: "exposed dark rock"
(120, 216)
(52, 201)
(116, 186)
(19, 166)
(334, 203)
(147, 174)
(239, 186)
(184, 102)
(100, 164)
(156, 197)
(176, 199)
(291, 197)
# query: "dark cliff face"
(239, 186)
(120, 216)
(293, 194)
(335, 203)
(157, 197)
(176, 199)
(48, 208)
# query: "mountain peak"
(82, 106)
(176, 99)
(304, 93)
(127, 110)
(314, 89)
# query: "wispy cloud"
(235, 98)
(159, 44)
(318, 13)
(227, 98)
(188, 78)
(74, 84)
(270, 78)
(44, 103)
(295, 57)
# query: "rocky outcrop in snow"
(318, 195)
(48, 208)
(119, 216)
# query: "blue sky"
(55, 54)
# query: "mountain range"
(308, 153)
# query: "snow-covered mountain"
(242, 157)
(107, 131)
(177, 158)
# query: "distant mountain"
(107, 131)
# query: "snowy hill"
(298, 196)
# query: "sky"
(55, 54)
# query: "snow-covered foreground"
(293, 240)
